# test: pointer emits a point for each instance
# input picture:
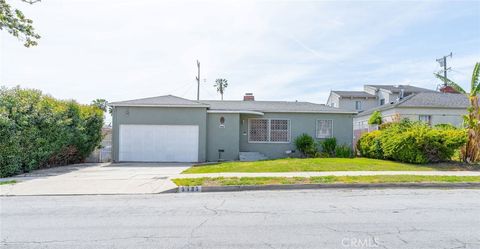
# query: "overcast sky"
(288, 50)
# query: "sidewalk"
(330, 173)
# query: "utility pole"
(443, 63)
(198, 80)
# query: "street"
(382, 218)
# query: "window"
(425, 118)
(324, 128)
(269, 130)
(358, 105)
(382, 102)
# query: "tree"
(221, 84)
(471, 152)
(102, 104)
(376, 118)
(15, 23)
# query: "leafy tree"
(376, 118)
(15, 23)
(471, 152)
(102, 104)
(221, 84)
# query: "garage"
(158, 143)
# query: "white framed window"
(324, 128)
(425, 118)
(358, 105)
(268, 130)
(382, 101)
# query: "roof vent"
(248, 97)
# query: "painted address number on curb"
(182, 189)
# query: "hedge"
(412, 142)
(38, 131)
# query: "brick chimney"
(448, 89)
(248, 97)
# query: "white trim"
(329, 112)
(268, 131)
(240, 112)
(316, 128)
(133, 105)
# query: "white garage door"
(158, 143)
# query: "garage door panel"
(158, 143)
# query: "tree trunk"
(471, 152)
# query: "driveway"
(83, 179)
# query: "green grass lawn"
(318, 164)
(8, 182)
(229, 181)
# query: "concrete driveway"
(83, 179)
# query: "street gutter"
(236, 188)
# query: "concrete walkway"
(331, 173)
(94, 179)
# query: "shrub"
(39, 131)
(445, 127)
(375, 118)
(412, 142)
(369, 145)
(306, 145)
(343, 151)
(328, 146)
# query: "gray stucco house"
(172, 129)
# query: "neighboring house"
(173, 129)
(430, 107)
(352, 100)
(371, 96)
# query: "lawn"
(230, 181)
(8, 182)
(318, 164)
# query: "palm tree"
(221, 84)
(471, 152)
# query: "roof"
(233, 105)
(166, 100)
(397, 88)
(272, 106)
(354, 94)
(426, 100)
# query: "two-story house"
(372, 96)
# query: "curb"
(236, 188)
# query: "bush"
(306, 145)
(328, 146)
(446, 127)
(343, 151)
(39, 131)
(375, 118)
(412, 142)
(369, 145)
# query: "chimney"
(448, 89)
(248, 97)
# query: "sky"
(284, 50)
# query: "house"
(372, 96)
(173, 129)
(430, 107)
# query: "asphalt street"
(384, 218)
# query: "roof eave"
(144, 105)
